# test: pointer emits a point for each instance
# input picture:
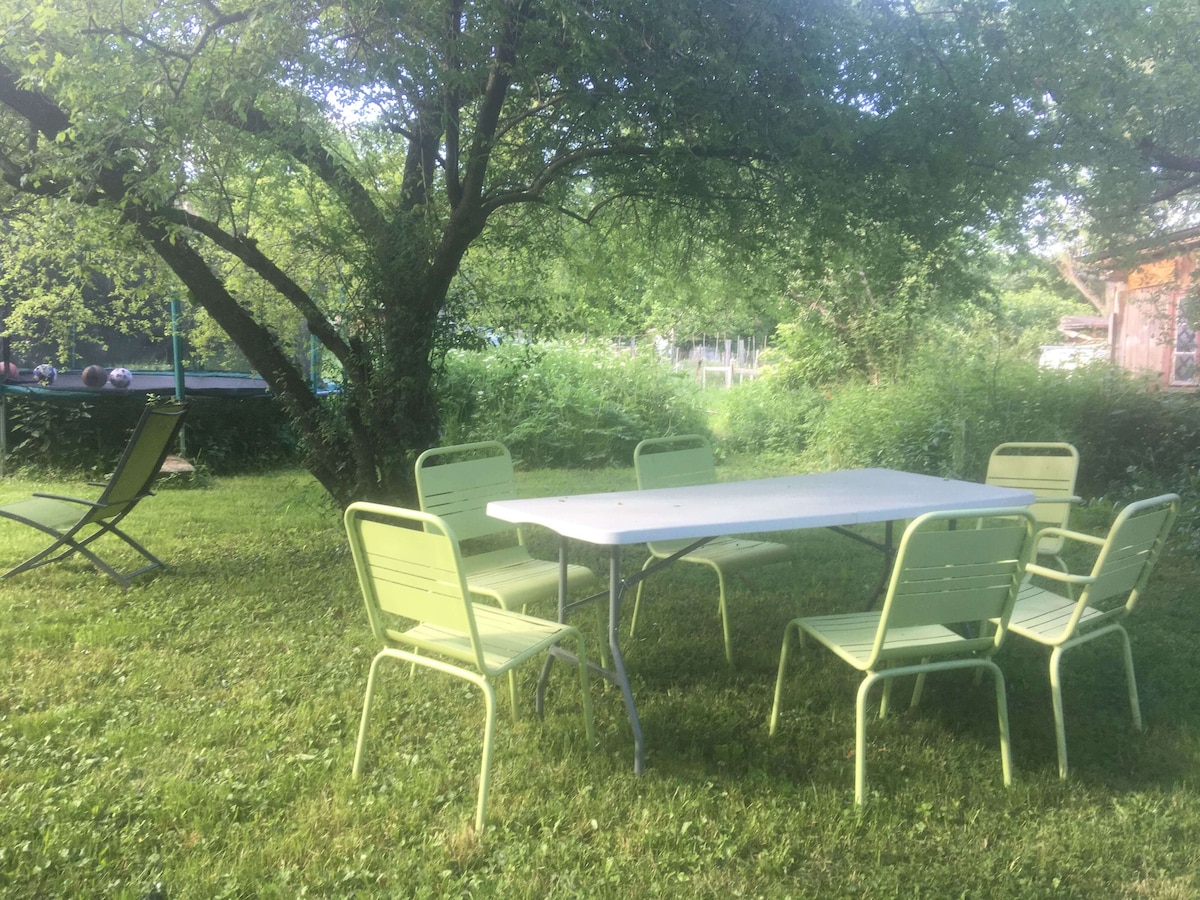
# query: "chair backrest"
(149, 445)
(1133, 546)
(1048, 469)
(456, 483)
(678, 461)
(410, 571)
(949, 575)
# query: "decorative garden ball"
(120, 378)
(95, 376)
(9, 370)
(45, 373)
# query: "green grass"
(197, 731)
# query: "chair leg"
(585, 686)
(724, 611)
(783, 659)
(1060, 728)
(918, 689)
(860, 734)
(485, 771)
(368, 701)
(1002, 717)
(1135, 708)
(637, 598)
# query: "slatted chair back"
(679, 461)
(950, 576)
(456, 483)
(1049, 469)
(409, 574)
(1125, 561)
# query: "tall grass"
(196, 731)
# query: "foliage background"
(583, 405)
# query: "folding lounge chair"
(945, 580)
(76, 523)
(421, 612)
(684, 461)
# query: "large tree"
(1116, 87)
(341, 158)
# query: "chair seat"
(852, 637)
(730, 553)
(515, 579)
(505, 637)
(45, 513)
(1041, 615)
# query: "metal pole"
(3, 408)
(177, 364)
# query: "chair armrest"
(78, 500)
(1056, 531)
(1073, 499)
(1056, 575)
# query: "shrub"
(565, 405)
(946, 417)
(223, 435)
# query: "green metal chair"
(683, 461)
(76, 523)
(945, 581)
(1049, 469)
(456, 483)
(1107, 594)
(411, 574)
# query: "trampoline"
(196, 384)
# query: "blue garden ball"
(45, 373)
(120, 378)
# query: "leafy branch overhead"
(324, 168)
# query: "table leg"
(617, 674)
(616, 590)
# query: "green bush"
(223, 435)
(565, 405)
(948, 415)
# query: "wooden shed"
(1151, 325)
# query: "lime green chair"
(1049, 469)
(945, 581)
(75, 523)
(683, 461)
(411, 574)
(1107, 594)
(456, 483)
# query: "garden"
(193, 735)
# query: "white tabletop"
(852, 497)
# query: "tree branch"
(247, 251)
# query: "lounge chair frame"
(76, 523)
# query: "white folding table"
(822, 500)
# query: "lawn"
(196, 733)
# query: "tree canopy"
(326, 166)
